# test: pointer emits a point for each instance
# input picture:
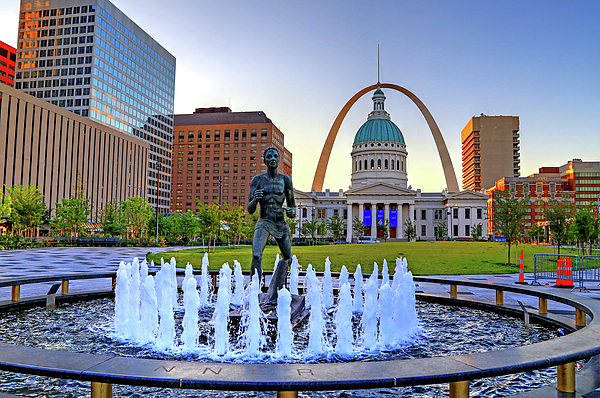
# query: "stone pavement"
(49, 261)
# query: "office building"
(490, 151)
(543, 190)
(583, 178)
(90, 58)
(47, 146)
(217, 152)
(8, 56)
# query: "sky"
(301, 61)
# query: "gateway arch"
(451, 181)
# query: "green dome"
(378, 130)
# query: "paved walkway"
(67, 260)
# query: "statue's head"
(270, 155)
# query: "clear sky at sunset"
(300, 62)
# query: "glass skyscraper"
(90, 58)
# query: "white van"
(367, 239)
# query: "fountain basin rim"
(578, 345)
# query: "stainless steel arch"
(449, 174)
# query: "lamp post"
(132, 186)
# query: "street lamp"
(132, 186)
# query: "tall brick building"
(216, 153)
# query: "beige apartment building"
(48, 146)
(490, 151)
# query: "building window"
(423, 230)
(455, 228)
(379, 164)
(468, 214)
(467, 230)
(372, 164)
(479, 213)
(423, 214)
(455, 213)
(438, 214)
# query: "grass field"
(424, 258)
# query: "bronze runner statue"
(270, 189)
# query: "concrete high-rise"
(216, 154)
(47, 146)
(490, 151)
(88, 57)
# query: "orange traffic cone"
(564, 273)
(522, 271)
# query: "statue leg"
(280, 276)
(258, 246)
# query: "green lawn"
(424, 258)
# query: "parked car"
(367, 239)
(339, 242)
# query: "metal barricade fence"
(589, 268)
(584, 268)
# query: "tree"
(235, 218)
(71, 213)
(384, 230)
(536, 232)
(586, 227)
(210, 221)
(310, 228)
(409, 230)
(322, 228)
(27, 208)
(559, 216)
(476, 231)
(5, 207)
(112, 220)
(358, 227)
(337, 227)
(508, 216)
(136, 213)
(292, 224)
(441, 231)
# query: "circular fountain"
(145, 306)
(105, 369)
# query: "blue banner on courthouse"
(393, 218)
(367, 218)
(380, 217)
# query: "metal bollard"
(64, 287)
(459, 389)
(15, 294)
(287, 394)
(580, 320)
(565, 377)
(543, 305)
(499, 297)
(101, 390)
(453, 291)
